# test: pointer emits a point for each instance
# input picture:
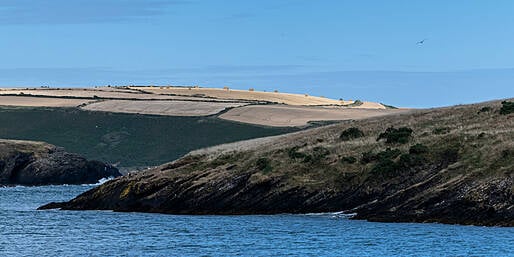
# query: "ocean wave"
(338, 214)
(100, 182)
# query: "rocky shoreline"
(31, 163)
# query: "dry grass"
(283, 98)
(41, 101)
(111, 93)
(10, 146)
(284, 116)
(482, 136)
(170, 108)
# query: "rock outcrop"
(36, 163)
(448, 165)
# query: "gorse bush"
(507, 107)
(368, 157)
(418, 149)
(318, 154)
(294, 154)
(387, 154)
(349, 159)
(264, 164)
(351, 133)
(485, 109)
(396, 135)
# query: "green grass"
(131, 140)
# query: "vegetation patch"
(348, 159)
(485, 109)
(507, 108)
(396, 135)
(351, 133)
(264, 164)
(418, 149)
(294, 154)
(389, 106)
(441, 130)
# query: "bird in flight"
(421, 42)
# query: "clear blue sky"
(341, 49)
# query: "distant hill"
(128, 140)
(247, 106)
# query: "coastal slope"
(32, 163)
(448, 165)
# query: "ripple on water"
(24, 231)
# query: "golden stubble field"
(247, 106)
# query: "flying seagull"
(421, 42)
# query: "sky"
(362, 49)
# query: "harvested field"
(41, 101)
(284, 98)
(170, 108)
(100, 93)
(284, 116)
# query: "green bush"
(410, 160)
(264, 164)
(507, 107)
(294, 154)
(485, 109)
(318, 154)
(396, 135)
(388, 154)
(418, 149)
(368, 157)
(351, 133)
(385, 166)
(348, 159)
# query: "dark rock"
(36, 163)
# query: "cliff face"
(36, 163)
(449, 165)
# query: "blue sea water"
(27, 232)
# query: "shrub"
(410, 160)
(393, 135)
(418, 149)
(368, 157)
(389, 106)
(485, 109)
(450, 155)
(507, 107)
(385, 166)
(318, 154)
(348, 159)
(441, 130)
(351, 133)
(388, 154)
(294, 154)
(264, 164)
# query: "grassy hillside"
(450, 165)
(130, 139)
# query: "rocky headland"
(451, 165)
(31, 163)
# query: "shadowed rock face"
(464, 176)
(35, 163)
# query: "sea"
(24, 231)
